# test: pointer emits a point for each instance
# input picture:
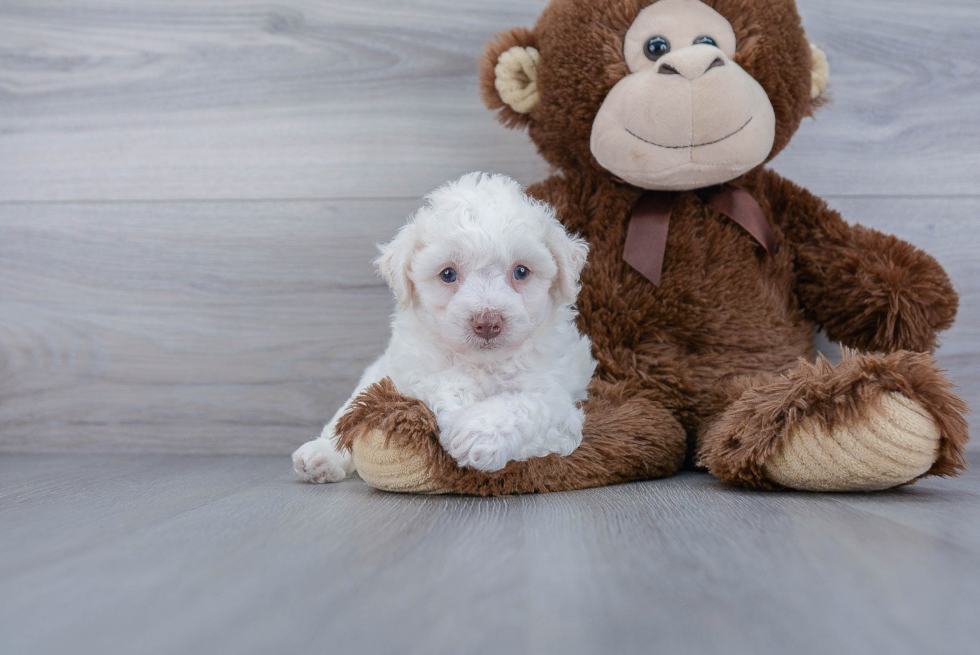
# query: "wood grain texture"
(903, 120)
(229, 99)
(164, 554)
(178, 327)
(301, 99)
(239, 327)
(190, 193)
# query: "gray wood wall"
(190, 192)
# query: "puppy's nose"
(487, 325)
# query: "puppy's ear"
(509, 76)
(570, 253)
(395, 262)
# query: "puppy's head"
(483, 265)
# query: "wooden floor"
(191, 191)
(208, 554)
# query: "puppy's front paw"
(318, 461)
(481, 449)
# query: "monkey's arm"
(868, 290)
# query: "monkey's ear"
(820, 74)
(509, 76)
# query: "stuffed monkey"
(708, 273)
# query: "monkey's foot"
(890, 445)
(871, 422)
(390, 468)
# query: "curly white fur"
(510, 397)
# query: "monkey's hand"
(868, 290)
(875, 292)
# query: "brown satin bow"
(646, 240)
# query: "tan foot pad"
(392, 469)
(890, 446)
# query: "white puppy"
(485, 278)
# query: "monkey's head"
(665, 94)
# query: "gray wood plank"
(238, 327)
(901, 121)
(229, 100)
(301, 99)
(94, 504)
(177, 327)
(178, 558)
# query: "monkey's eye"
(521, 273)
(705, 40)
(448, 276)
(656, 48)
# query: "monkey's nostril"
(667, 69)
(716, 63)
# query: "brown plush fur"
(715, 349)
(624, 439)
(737, 443)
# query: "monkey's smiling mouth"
(697, 145)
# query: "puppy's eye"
(656, 48)
(521, 273)
(448, 276)
(705, 40)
